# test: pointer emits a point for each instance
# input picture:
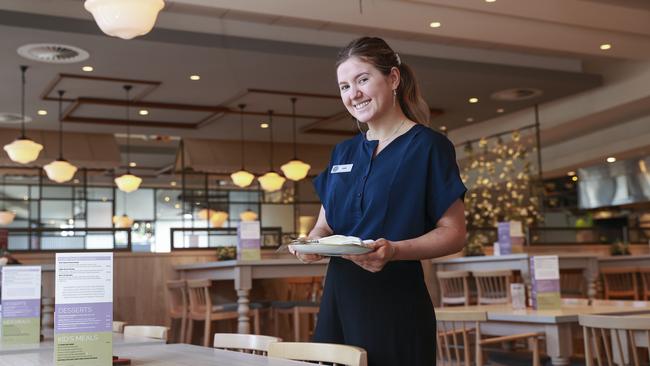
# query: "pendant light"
(242, 178)
(6, 216)
(23, 150)
(248, 215)
(60, 170)
(123, 221)
(295, 169)
(271, 181)
(125, 19)
(128, 182)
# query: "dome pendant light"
(6, 216)
(295, 169)
(23, 150)
(125, 19)
(242, 178)
(123, 221)
(60, 170)
(271, 181)
(128, 182)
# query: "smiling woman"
(399, 185)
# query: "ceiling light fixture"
(611, 159)
(571, 173)
(470, 119)
(295, 169)
(195, 77)
(473, 100)
(574, 178)
(60, 170)
(41, 112)
(87, 69)
(143, 112)
(23, 150)
(264, 125)
(125, 19)
(435, 24)
(128, 182)
(605, 46)
(500, 110)
(242, 178)
(271, 181)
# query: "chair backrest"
(645, 283)
(246, 343)
(612, 338)
(454, 288)
(118, 327)
(573, 283)
(458, 333)
(620, 283)
(148, 331)
(176, 298)
(336, 354)
(199, 296)
(304, 289)
(493, 287)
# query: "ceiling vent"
(516, 94)
(53, 53)
(10, 118)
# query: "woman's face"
(365, 92)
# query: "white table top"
(566, 314)
(48, 344)
(160, 355)
(507, 257)
(236, 263)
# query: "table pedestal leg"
(243, 321)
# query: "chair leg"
(276, 322)
(535, 351)
(206, 332)
(256, 321)
(296, 324)
(190, 328)
(183, 329)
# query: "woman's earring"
(394, 96)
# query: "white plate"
(331, 250)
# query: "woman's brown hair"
(376, 52)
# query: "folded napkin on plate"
(342, 240)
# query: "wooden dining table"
(243, 272)
(555, 324)
(160, 355)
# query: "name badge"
(341, 168)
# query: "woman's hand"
(383, 251)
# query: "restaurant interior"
(160, 133)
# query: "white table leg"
(559, 343)
(243, 321)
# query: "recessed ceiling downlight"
(53, 53)
(10, 118)
(516, 94)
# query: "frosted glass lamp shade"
(7, 217)
(23, 151)
(248, 215)
(128, 183)
(218, 218)
(295, 169)
(125, 19)
(271, 181)
(242, 178)
(122, 222)
(60, 171)
(205, 214)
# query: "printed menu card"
(83, 318)
(249, 238)
(545, 278)
(21, 305)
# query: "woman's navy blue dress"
(400, 194)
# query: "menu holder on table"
(21, 305)
(545, 280)
(249, 240)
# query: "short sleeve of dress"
(320, 183)
(444, 185)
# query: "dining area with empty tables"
(354, 183)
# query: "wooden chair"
(303, 296)
(148, 331)
(612, 338)
(645, 283)
(573, 283)
(245, 343)
(620, 283)
(334, 354)
(454, 289)
(118, 327)
(492, 287)
(177, 306)
(459, 338)
(201, 308)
